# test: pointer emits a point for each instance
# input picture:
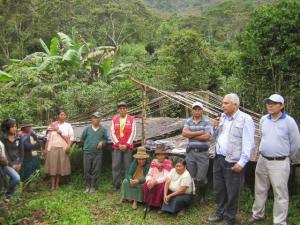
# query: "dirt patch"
(36, 218)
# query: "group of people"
(234, 133)
(156, 183)
(16, 158)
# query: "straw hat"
(26, 124)
(141, 153)
(160, 149)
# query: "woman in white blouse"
(59, 140)
(179, 189)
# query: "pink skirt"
(154, 196)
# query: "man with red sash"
(123, 130)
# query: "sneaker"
(121, 201)
(147, 209)
(92, 190)
(87, 190)
(6, 199)
(134, 205)
(202, 202)
(215, 218)
(252, 220)
(181, 212)
(160, 212)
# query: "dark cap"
(120, 104)
(97, 114)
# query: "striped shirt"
(203, 125)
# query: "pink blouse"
(155, 174)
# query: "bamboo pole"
(144, 105)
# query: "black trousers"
(227, 186)
(92, 163)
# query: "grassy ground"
(69, 205)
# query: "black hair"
(7, 124)
(59, 111)
(181, 161)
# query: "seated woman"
(179, 189)
(14, 154)
(155, 180)
(132, 186)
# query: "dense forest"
(78, 54)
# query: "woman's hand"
(151, 184)
(134, 181)
(17, 167)
(167, 199)
(67, 150)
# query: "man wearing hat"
(280, 138)
(198, 130)
(123, 131)
(31, 142)
(93, 138)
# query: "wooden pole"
(144, 105)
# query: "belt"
(274, 158)
(199, 149)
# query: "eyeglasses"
(273, 103)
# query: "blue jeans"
(14, 180)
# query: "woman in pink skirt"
(59, 139)
(156, 177)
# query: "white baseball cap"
(275, 98)
(199, 104)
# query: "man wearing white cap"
(280, 138)
(198, 130)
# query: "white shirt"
(95, 128)
(67, 130)
(181, 180)
(223, 137)
(2, 150)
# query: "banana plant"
(5, 76)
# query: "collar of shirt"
(95, 128)
(233, 117)
(201, 120)
(17, 138)
(283, 116)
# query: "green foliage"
(195, 66)
(66, 74)
(5, 76)
(113, 22)
(195, 45)
(270, 47)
